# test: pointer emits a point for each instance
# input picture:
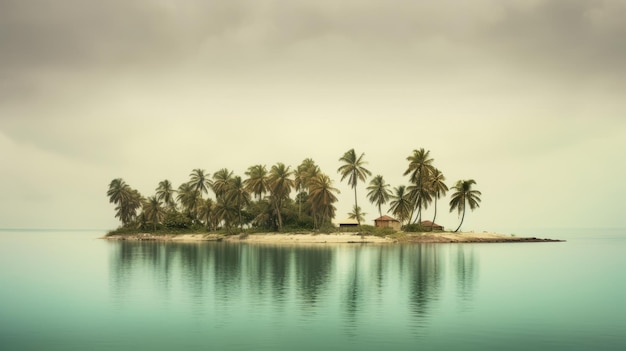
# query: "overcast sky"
(524, 96)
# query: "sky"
(523, 96)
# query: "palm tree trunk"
(432, 225)
(462, 217)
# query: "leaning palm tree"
(420, 167)
(280, 185)
(353, 169)
(118, 191)
(438, 189)
(165, 193)
(401, 205)
(464, 194)
(153, 211)
(322, 197)
(256, 183)
(379, 192)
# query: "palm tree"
(256, 183)
(239, 196)
(357, 214)
(302, 177)
(153, 211)
(189, 199)
(200, 181)
(205, 212)
(322, 199)
(379, 192)
(118, 191)
(126, 199)
(438, 189)
(420, 167)
(225, 211)
(280, 185)
(222, 182)
(353, 169)
(464, 194)
(165, 193)
(401, 205)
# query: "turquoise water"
(70, 291)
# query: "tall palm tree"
(420, 167)
(401, 205)
(165, 193)
(302, 177)
(205, 212)
(189, 199)
(118, 191)
(239, 196)
(126, 199)
(225, 211)
(256, 183)
(379, 192)
(322, 197)
(353, 169)
(438, 189)
(464, 194)
(280, 185)
(222, 182)
(153, 211)
(200, 181)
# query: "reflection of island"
(352, 283)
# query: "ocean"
(69, 290)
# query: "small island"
(260, 208)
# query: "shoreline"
(334, 238)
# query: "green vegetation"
(262, 201)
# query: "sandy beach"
(335, 238)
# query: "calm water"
(70, 291)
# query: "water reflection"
(354, 288)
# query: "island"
(334, 238)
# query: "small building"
(426, 225)
(387, 222)
(346, 223)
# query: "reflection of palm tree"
(353, 168)
(438, 188)
(165, 193)
(464, 194)
(401, 206)
(322, 199)
(280, 185)
(420, 167)
(378, 192)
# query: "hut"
(387, 222)
(426, 225)
(347, 223)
